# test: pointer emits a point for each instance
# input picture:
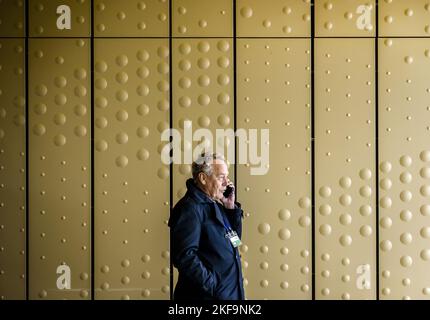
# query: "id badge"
(234, 239)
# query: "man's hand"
(229, 202)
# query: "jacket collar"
(197, 194)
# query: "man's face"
(218, 181)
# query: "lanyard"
(231, 234)
(226, 224)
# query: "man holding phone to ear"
(206, 231)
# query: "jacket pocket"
(218, 285)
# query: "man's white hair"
(204, 164)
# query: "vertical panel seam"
(171, 126)
(313, 143)
(235, 91)
(92, 154)
(27, 184)
(377, 146)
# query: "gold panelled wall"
(404, 150)
(203, 18)
(202, 79)
(131, 110)
(12, 18)
(404, 133)
(345, 18)
(404, 18)
(129, 18)
(131, 183)
(202, 83)
(345, 220)
(59, 166)
(12, 169)
(278, 18)
(342, 87)
(277, 227)
(43, 18)
(202, 93)
(274, 93)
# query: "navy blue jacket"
(208, 264)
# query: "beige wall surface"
(342, 209)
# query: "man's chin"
(219, 197)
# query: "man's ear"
(202, 178)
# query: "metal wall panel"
(345, 18)
(12, 18)
(130, 18)
(273, 92)
(59, 166)
(404, 130)
(12, 169)
(131, 182)
(404, 18)
(345, 227)
(203, 18)
(202, 93)
(273, 18)
(43, 18)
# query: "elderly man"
(206, 228)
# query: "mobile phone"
(228, 191)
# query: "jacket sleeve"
(185, 235)
(235, 218)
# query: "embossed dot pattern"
(12, 16)
(277, 254)
(43, 19)
(204, 18)
(203, 94)
(404, 164)
(352, 18)
(280, 19)
(404, 18)
(143, 18)
(59, 164)
(131, 104)
(12, 170)
(132, 199)
(345, 175)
